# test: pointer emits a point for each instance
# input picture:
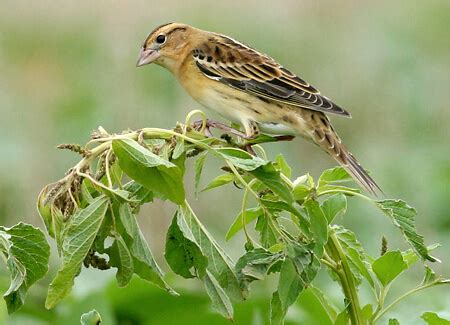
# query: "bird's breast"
(238, 106)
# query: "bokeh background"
(68, 66)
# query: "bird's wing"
(239, 66)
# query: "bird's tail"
(326, 138)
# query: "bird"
(249, 88)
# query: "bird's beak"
(147, 56)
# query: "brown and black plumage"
(250, 88)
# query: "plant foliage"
(92, 213)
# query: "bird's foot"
(197, 125)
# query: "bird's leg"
(251, 132)
(217, 125)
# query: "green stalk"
(334, 249)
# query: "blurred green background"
(67, 67)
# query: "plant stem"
(334, 249)
(381, 297)
(403, 296)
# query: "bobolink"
(249, 88)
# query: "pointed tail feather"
(360, 175)
(325, 137)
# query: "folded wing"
(241, 67)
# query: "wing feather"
(239, 66)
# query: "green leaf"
(118, 194)
(389, 266)
(91, 318)
(306, 262)
(259, 168)
(270, 177)
(429, 276)
(342, 318)
(403, 216)
(280, 206)
(334, 175)
(139, 192)
(79, 236)
(183, 254)
(334, 207)
(220, 181)
(244, 218)
(367, 313)
(411, 257)
(355, 254)
(179, 149)
(152, 171)
(277, 313)
(300, 192)
(318, 226)
(57, 227)
(282, 165)
(87, 189)
(329, 189)
(220, 301)
(121, 258)
(241, 159)
(393, 321)
(433, 319)
(315, 307)
(267, 234)
(219, 264)
(45, 212)
(198, 170)
(290, 284)
(256, 264)
(26, 253)
(144, 263)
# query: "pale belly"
(240, 108)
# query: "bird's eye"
(161, 39)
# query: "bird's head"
(165, 45)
